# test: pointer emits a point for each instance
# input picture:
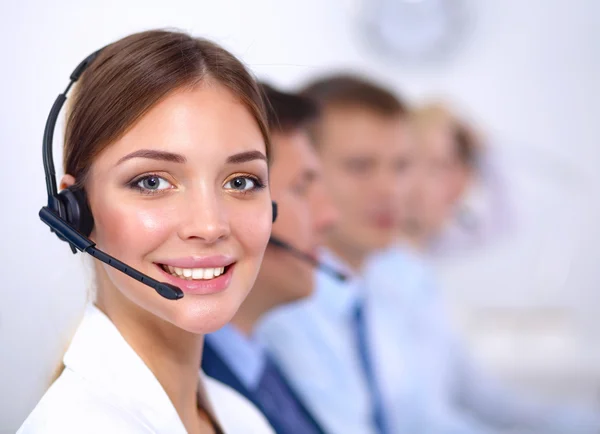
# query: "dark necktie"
(360, 332)
(279, 403)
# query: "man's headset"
(69, 216)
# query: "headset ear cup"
(58, 205)
(274, 210)
(76, 210)
(86, 218)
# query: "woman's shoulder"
(235, 413)
(70, 407)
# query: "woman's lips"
(200, 285)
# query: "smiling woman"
(178, 194)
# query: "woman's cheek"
(253, 230)
(131, 229)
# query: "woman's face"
(442, 179)
(183, 198)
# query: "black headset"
(69, 205)
(68, 213)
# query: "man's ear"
(67, 181)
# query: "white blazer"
(107, 388)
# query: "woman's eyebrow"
(239, 158)
(154, 155)
(244, 157)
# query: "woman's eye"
(153, 183)
(241, 183)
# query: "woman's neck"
(172, 354)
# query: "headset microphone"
(274, 241)
(338, 275)
(84, 244)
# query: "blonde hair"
(437, 115)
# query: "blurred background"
(524, 73)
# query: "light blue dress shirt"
(428, 382)
(244, 356)
(314, 344)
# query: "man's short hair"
(288, 111)
(352, 91)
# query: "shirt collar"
(100, 355)
(245, 356)
(336, 297)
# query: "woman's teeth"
(194, 273)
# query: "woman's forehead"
(206, 122)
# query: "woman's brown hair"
(131, 75)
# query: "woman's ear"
(67, 181)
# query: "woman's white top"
(107, 388)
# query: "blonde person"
(460, 198)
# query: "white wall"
(528, 74)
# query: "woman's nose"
(204, 217)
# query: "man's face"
(366, 161)
(305, 214)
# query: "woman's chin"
(205, 319)
(205, 328)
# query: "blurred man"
(323, 343)
(232, 355)
(377, 354)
